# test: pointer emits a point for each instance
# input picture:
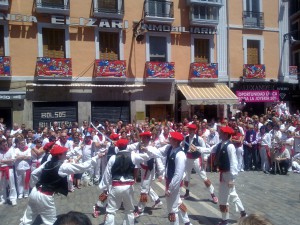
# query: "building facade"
(74, 60)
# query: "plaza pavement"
(275, 196)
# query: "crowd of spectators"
(263, 142)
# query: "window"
(53, 43)
(253, 52)
(159, 8)
(205, 12)
(158, 49)
(107, 4)
(201, 50)
(109, 45)
(2, 50)
(253, 5)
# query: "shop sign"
(258, 96)
(66, 20)
(169, 28)
(12, 97)
(45, 116)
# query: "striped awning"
(208, 94)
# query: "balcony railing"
(253, 19)
(5, 66)
(53, 6)
(210, 2)
(110, 9)
(110, 68)
(158, 11)
(160, 70)
(203, 70)
(252, 71)
(54, 67)
(4, 4)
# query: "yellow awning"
(207, 94)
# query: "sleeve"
(73, 168)
(132, 147)
(233, 161)
(35, 175)
(107, 176)
(180, 161)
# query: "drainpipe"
(228, 55)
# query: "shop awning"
(207, 94)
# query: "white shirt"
(64, 170)
(25, 163)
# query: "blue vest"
(123, 166)
(195, 142)
(170, 162)
(222, 157)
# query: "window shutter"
(253, 52)
(201, 50)
(54, 43)
(109, 45)
(2, 52)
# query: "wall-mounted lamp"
(290, 38)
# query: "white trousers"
(296, 165)
(173, 203)
(226, 193)
(265, 166)
(20, 176)
(4, 183)
(146, 180)
(240, 157)
(117, 195)
(196, 164)
(39, 204)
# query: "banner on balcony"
(252, 71)
(258, 96)
(160, 70)
(204, 70)
(293, 72)
(54, 67)
(110, 68)
(5, 66)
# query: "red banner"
(110, 68)
(56, 67)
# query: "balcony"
(108, 70)
(203, 71)
(160, 71)
(252, 71)
(53, 68)
(61, 7)
(254, 20)
(159, 11)
(293, 72)
(4, 5)
(113, 9)
(5, 67)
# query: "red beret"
(90, 129)
(48, 146)
(122, 143)
(176, 136)
(114, 137)
(146, 134)
(192, 126)
(227, 130)
(57, 150)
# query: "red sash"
(5, 172)
(27, 179)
